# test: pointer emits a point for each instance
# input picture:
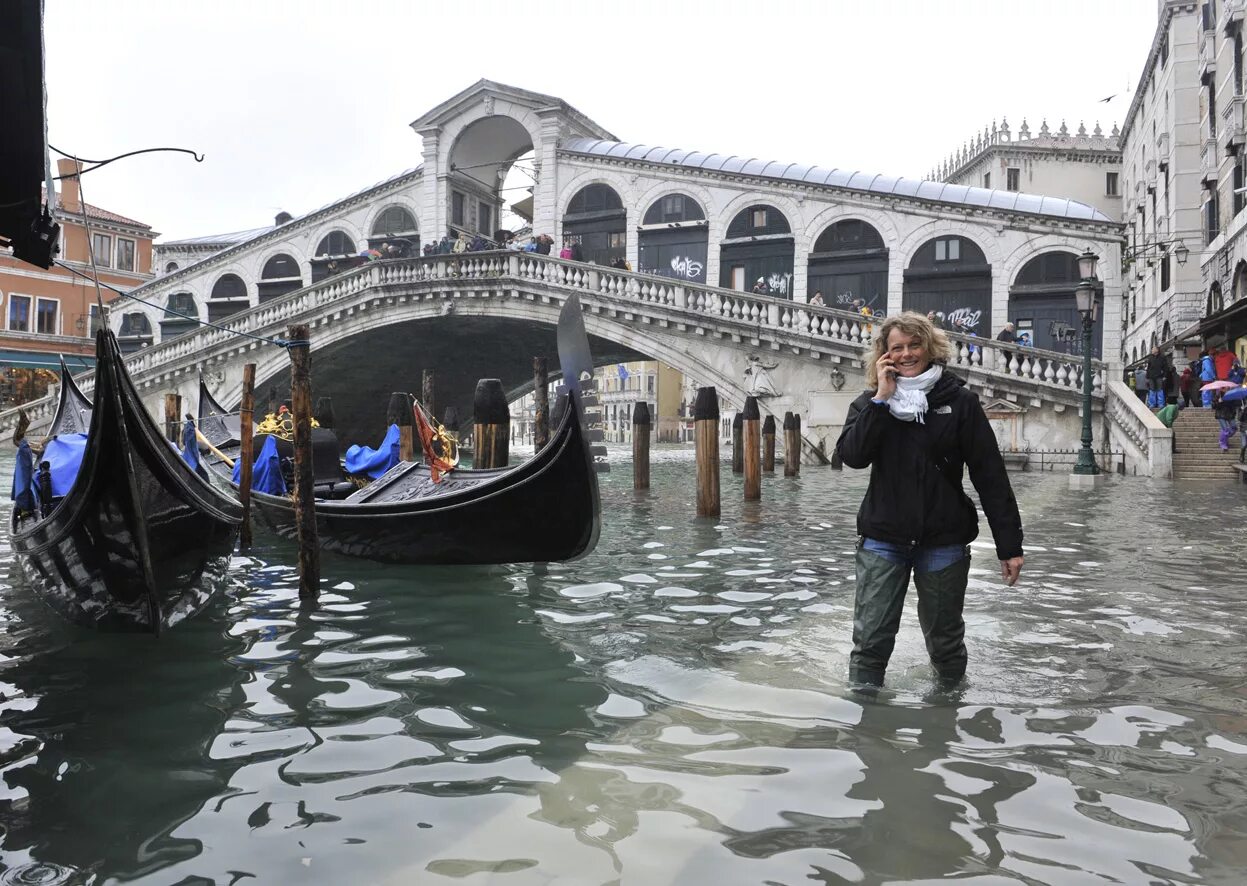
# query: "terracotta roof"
(102, 214)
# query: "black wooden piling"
(173, 422)
(541, 402)
(706, 443)
(640, 445)
(768, 445)
(492, 421)
(299, 348)
(738, 445)
(246, 453)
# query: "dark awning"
(13, 357)
(1218, 322)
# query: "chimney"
(70, 198)
(282, 218)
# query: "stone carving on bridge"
(758, 381)
(837, 378)
(489, 106)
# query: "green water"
(669, 710)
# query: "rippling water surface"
(671, 709)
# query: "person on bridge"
(1157, 367)
(917, 429)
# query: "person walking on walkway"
(1207, 373)
(1140, 382)
(1227, 418)
(1156, 368)
(917, 429)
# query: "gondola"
(73, 408)
(136, 540)
(543, 510)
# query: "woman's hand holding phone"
(887, 378)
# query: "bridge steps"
(1197, 454)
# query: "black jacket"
(1157, 366)
(915, 494)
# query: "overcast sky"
(297, 104)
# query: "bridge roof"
(895, 186)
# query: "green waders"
(881, 586)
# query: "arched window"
(1042, 302)
(595, 226)
(394, 220)
(674, 240)
(757, 254)
(1214, 304)
(135, 323)
(180, 316)
(950, 276)
(229, 296)
(280, 275)
(673, 209)
(1166, 332)
(335, 243)
(171, 267)
(848, 266)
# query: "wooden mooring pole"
(738, 450)
(768, 445)
(541, 402)
(246, 453)
(792, 444)
(640, 445)
(492, 419)
(173, 414)
(450, 421)
(399, 413)
(752, 437)
(300, 351)
(706, 444)
(426, 392)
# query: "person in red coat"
(1223, 360)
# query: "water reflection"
(671, 709)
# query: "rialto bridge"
(698, 228)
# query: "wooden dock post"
(792, 444)
(426, 392)
(450, 421)
(173, 414)
(738, 450)
(492, 419)
(706, 443)
(399, 413)
(246, 453)
(541, 402)
(752, 437)
(768, 445)
(640, 445)
(299, 348)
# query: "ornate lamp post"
(1084, 296)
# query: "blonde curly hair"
(933, 340)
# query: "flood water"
(670, 710)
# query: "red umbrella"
(1218, 386)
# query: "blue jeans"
(932, 558)
(1156, 398)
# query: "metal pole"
(1086, 459)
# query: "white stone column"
(896, 281)
(546, 194)
(433, 188)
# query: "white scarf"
(909, 403)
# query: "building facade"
(49, 313)
(785, 229)
(1221, 306)
(1165, 163)
(1083, 166)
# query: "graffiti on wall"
(777, 284)
(683, 266)
(963, 318)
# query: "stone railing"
(801, 324)
(1129, 418)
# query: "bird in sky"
(1109, 99)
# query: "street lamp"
(1085, 299)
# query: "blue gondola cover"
(374, 462)
(64, 456)
(266, 474)
(190, 445)
(24, 478)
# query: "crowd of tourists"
(1214, 380)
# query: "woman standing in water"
(916, 429)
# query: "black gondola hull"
(140, 541)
